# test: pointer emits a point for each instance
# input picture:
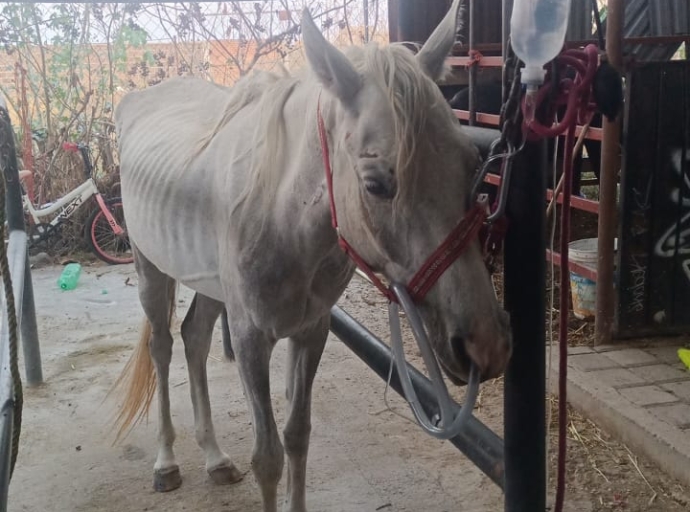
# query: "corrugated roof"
(643, 18)
(655, 18)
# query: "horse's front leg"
(253, 353)
(304, 355)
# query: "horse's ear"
(330, 65)
(433, 54)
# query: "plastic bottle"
(69, 277)
(537, 33)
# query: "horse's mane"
(413, 96)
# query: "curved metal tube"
(449, 425)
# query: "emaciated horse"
(224, 190)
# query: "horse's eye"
(376, 188)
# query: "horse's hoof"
(167, 479)
(225, 475)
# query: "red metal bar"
(592, 133)
(495, 120)
(587, 272)
(485, 62)
(490, 119)
(461, 49)
(579, 203)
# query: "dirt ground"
(602, 474)
(363, 457)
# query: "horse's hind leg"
(197, 331)
(156, 293)
(304, 354)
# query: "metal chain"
(511, 141)
(5, 154)
(511, 114)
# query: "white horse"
(224, 190)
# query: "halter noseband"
(436, 264)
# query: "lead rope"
(7, 152)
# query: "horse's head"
(402, 171)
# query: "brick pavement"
(640, 394)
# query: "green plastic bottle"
(69, 277)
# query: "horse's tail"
(139, 379)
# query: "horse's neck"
(300, 216)
(304, 196)
(293, 242)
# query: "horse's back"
(167, 189)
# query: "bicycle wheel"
(105, 244)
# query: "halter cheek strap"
(436, 264)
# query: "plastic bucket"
(582, 290)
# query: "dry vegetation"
(64, 67)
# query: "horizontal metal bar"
(490, 119)
(579, 203)
(573, 266)
(484, 61)
(593, 133)
(482, 137)
(462, 49)
(495, 120)
(16, 255)
(478, 442)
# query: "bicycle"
(105, 229)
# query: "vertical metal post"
(6, 417)
(29, 332)
(473, 70)
(15, 221)
(506, 11)
(525, 378)
(365, 7)
(608, 180)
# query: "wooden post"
(610, 164)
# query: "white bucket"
(583, 290)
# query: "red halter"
(436, 264)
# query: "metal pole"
(15, 221)
(6, 432)
(29, 332)
(525, 378)
(506, 11)
(366, 20)
(482, 446)
(608, 180)
(473, 70)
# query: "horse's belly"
(178, 237)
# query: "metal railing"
(20, 275)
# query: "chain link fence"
(64, 66)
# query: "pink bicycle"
(105, 230)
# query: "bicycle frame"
(68, 204)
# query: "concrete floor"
(362, 457)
